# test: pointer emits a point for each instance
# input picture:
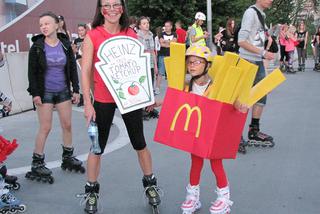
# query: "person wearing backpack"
(251, 40)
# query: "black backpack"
(274, 46)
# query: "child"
(198, 62)
(290, 44)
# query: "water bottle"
(93, 135)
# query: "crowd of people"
(57, 63)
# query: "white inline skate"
(222, 204)
(192, 202)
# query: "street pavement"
(283, 179)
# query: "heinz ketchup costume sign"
(125, 69)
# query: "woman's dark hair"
(64, 26)
(98, 19)
(83, 25)
(230, 29)
(51, 14)
(140, 20)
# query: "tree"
(162, 10)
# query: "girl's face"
(301, 26)
(195, 65)
(111, 10)
(61, 23)
(82, 31)
(144, 25)
(48, 26)
(232, 24)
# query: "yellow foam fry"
(216, 64)
(245, 67)
(229, 84)
(246, 84)
(177, 65)
(229, 59)
(270, 82)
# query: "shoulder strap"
(260, 17)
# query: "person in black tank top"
(302, 37)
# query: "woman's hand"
(243, 108)
(157, 103)
(37, 100)
(89, 113)
(75, 98)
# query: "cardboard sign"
(125, 69)
(195, 124)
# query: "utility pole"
(209, 23)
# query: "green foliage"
(282, 11)
(162, 10)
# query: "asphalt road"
(283, 179)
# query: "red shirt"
(98, 35)
(181, 34)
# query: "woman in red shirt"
(111, 19)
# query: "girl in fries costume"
(198, 62)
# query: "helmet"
(199, 51)
(200, 16)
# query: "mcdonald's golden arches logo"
(189, 113)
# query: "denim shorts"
(261, 73)
(161, 66)
(56, 97)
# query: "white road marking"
(118, 143)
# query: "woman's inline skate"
(69, 162)
(39, 171)
(152, 192)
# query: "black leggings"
(132, 120)
(283, 53)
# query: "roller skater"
(242, 146)
(10, 181)
(53, 84)
(152, 192)
(39, 171)
(257, 138)
(192, 202)
(69, 162)
(8, 202)
(102, 110)
(198, 62)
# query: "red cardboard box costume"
(191, 122)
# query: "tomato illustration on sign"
(133, 89)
